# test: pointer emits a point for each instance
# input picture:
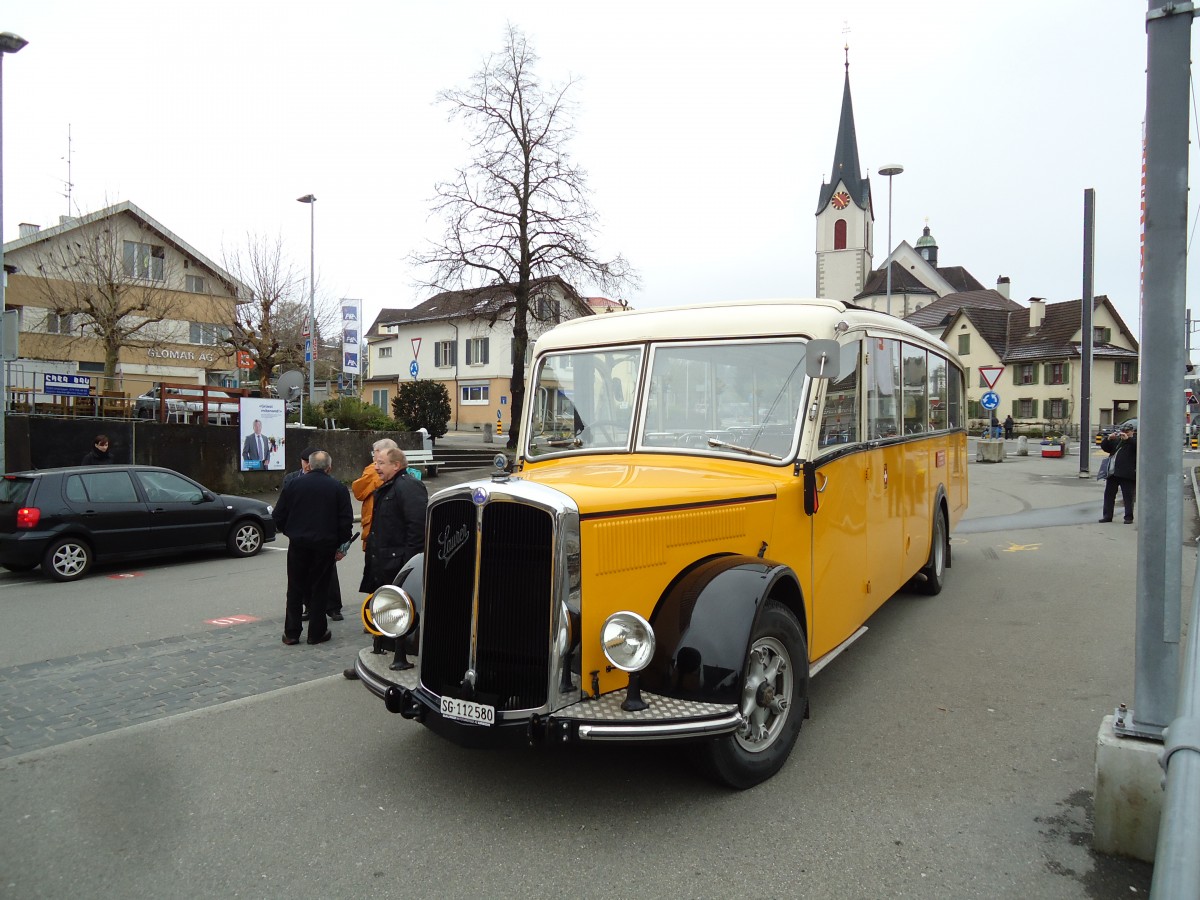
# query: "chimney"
(27, 230)
(1002, 287)
(1037, 312)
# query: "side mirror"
(822, 358)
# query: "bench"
(423, 460)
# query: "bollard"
(1022, 446)
(487, 432)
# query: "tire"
(246, 538)
(934, 572)
(774, 703)
(67, 559)
(23, 567)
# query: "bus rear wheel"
(933, 574)
(773, 704)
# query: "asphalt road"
(145, 753)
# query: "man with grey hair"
(365, 485)
(314, 512)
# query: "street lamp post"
(9, 43)
(312, 317)
(889, 170)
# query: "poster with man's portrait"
(262, 434)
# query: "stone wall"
(211, 454)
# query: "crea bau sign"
(188, 355)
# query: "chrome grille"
(515, 559)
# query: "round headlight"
(628, 641)
(392, 611)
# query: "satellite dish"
(289, 384)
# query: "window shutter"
(437, 353)
(470, 355)
(1016, 409)
(1033, 408)
(454, 353)
(1108, 335)
(1066, 373)
(1133, 372)
(484, 348)
(1066, 407)
(1047, 374)
(1035, 374)
(1116, 372)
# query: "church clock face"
(841, 200)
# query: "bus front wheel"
(774, 702)
(933, 575)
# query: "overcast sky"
(706, 129)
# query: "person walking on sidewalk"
(1121, 446)
(1008, 428)
(314, 512)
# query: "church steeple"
(846, 168)
(845, 219)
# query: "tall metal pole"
(1085, 318)
(312, 305)
(889, 170)
(9, 43)
(1160, 415)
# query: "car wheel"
(67, 559)
(934, 572)
(246, 539)
(774, 702)
(23, 567)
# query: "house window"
(145, 261)
(194, 283)
(1026, 374)
(839, 234)
(1056, 373)
(1026, 408)
(473, 394)
(379, 397)
(56, 324)
(445, 353)
(1101, 335)
(1126, 372)
(91, 368)
(1057, 408)
(206, 333)
(964, 344)
(547, 310)
(385, 352)
(477, 352)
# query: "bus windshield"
(584, 401)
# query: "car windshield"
(584, 401)
(721, 398)
(727, 398)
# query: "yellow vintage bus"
(707, 505)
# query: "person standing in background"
(1008, 428)
(98, 455)
(1122, 472)
(365, 485)
(314, 512)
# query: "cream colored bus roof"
(743, 318)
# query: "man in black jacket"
(1122, 472)
(98, 455)
(314, 512)
(397, 521)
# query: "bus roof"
(736, 319)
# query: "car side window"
(164, 487)
(101, 487)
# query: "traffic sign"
(413, 368)
(991, 374)
(990, 400)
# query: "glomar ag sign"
(67, 385)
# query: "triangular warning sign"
(416, 342)
(991, 374)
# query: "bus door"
(885, 507)
(839, 526)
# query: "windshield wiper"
(565, 442)
(725, 445)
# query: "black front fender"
(702, 627)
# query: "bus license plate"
(466, 711)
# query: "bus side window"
(840, 412)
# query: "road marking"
(127, 575)
(226, 621)
(1014, 548)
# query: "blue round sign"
(413, 368)
(990, 400)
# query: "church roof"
(941, 311)
(846, 168)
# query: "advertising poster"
(351, 316)
(262, 423)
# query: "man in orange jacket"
(365, 485)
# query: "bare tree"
(269, 323)
(520, 210)
(115, 292)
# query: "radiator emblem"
(449, 544)
(479, 495)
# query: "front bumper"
(600, 719)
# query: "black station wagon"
(67, 519)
